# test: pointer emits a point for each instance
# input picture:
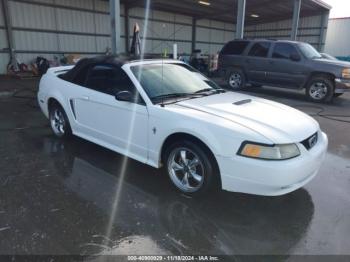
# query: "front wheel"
(190, 168)
(59, 121)
(236, 79)
(320, 89)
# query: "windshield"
(309, 51)
(169, 80)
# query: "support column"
(323, 31)
(126, 28)
(9, 33)
(194, 29)
(295, 22)
(240, 19)
(114, 6)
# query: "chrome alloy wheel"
(318, 90)
(58, 122)
(186, 170)
(235, 80)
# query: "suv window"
(108, 79)
(234, 47)
(260, 49)
(284, 51)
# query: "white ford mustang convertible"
(165, 113)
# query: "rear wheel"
(236, 79)
(59, 121)
(190, 168)
(320, 89)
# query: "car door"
(119, 125)
(286, 68)
(256, 61)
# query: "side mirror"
(125, 96)
(295, 57)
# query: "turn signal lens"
(346, 73)
(267, 152)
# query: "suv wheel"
(320, 89)
(189, 168)
(236, 79)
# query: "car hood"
(274, 121)
(335, 62)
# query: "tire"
(236, 79)
(338, 94)
(320, 89)
(191, 179)
(59, 121)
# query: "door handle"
(86, 98)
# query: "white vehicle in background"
(164, 113)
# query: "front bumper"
(272, 178)
(342, 85)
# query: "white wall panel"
(77, 43)
(102, 43)
(32, 16)
(3, 39)
(203, 34)
(337, 41)
(32, 41)
(102, 24)
(86, 4)
(163, 30)
(183, 32)
(101, 6)
(137, 11)
(2, 23)
(217, 36)
(183, 19)
(4, 59)
(163, 16)
(78, 21)
(203, 22)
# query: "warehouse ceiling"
(257, 11)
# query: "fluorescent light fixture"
(254, 15)
(204, 3)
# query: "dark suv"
(285, 64)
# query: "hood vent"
(242, 102)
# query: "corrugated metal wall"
(4, 57)
(53, 27)
(309, 30)
(337, 41)
(163, 30)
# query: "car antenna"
(161, 54)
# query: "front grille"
(311, 141)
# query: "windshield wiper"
(169, 96)
(218, 90)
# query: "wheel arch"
(181, 136)
(319, 73)
(51, 101)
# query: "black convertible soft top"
(107, 59)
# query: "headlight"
(346, 73)
(267, 152)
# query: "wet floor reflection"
(68, 210)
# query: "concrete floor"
(59, 197)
